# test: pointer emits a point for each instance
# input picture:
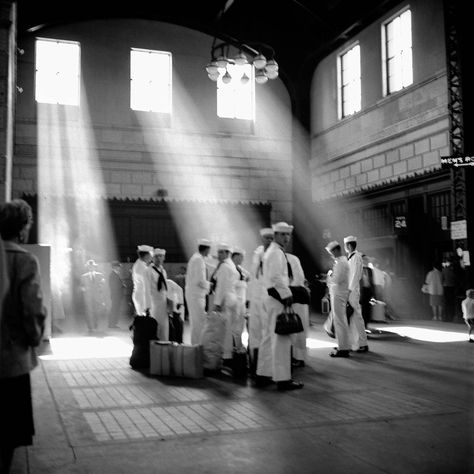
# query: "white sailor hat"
(205, 242)
(350, 238)
(145, 248)
(224, 246)
(266, 231)
(332, 245)
(159, 252)
(91, 262)
(282, 227)
(238, 250)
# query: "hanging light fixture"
(218, 66)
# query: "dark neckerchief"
(240, 272)
(161, 279)
(288, 266)
(213, 278)
(351, 255)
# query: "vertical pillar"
(458, 103)
(7, 94)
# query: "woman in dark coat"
(22, 317)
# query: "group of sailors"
(238, 295)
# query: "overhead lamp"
(222, 61)
(211, 68)
(244, 79)
(213, 76)
(259, 61)
(240, 59)
(226, 78)
(271, 65)
(271, 74)
(260, 76)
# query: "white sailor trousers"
(298, 340)
(229, 311)
(280, 346)
(197, 315)
(341, 328)
(256, 316)
(159, 311)
(356, 322)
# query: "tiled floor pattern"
(103, 400)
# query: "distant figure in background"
(467, 306)
(448, 279)
(367, 290)
(117, 289)
(434, 284)
(139, 276)
(379, 280)
(92, 287)
(22, 317)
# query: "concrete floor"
(404, 407)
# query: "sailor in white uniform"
(256, 293)
(338, 285)
(223, 285)
(196, 288)
(275, 274)
(238, 255)
(158, 290)
(299, 339)
(356, 323)
(139, 271)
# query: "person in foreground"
(338, 284)
(22, 317)
(275, 347)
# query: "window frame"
(251, 84)
(79, 88)
(384, 48)
(340, 82)
(169, 82)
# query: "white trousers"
(255, 323)
(159, 311)
(356, 323)
(298, 340)
(274, 354)
(341, 328)
(232, 335)
(197, 315)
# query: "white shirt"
(275, 270)
(256, 287)
(196, 277)
(140, 287)
(338, 280)
(298, 273)
(226, 278)
(355, 270)
(434, 282)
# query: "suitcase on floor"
(176, 360)
(212, 339)
(377, 312)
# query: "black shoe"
(339, 353)
(263, 381)
(289, 385)
(471, 340)
(363, 349)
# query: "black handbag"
(288, 322)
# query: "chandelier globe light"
(222, 64)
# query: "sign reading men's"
(450, 161)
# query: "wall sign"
(459, 230)
(455, 161)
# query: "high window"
(236, 99)
(397, 53)
(150, 80)
(57, 78)
(349, 82)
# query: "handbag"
(425, 288)
(288, 322)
